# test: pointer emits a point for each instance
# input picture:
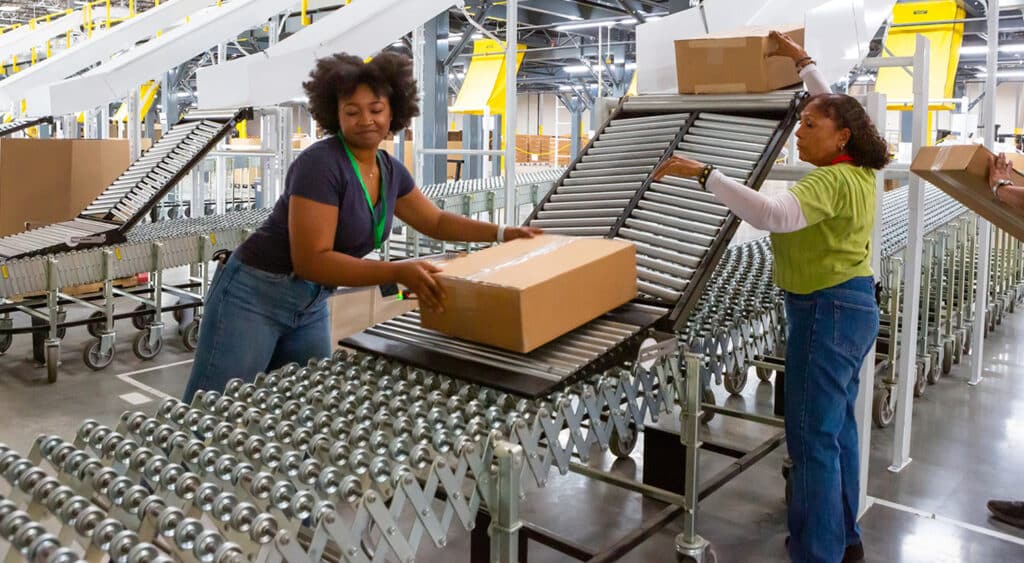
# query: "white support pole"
(511, 47)
(134, 126)
(104, 122)
(417, 122)
(984, 228)
(912, 279)
(220, 185)
(876, 108)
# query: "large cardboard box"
(44, 181)
(735, 62)
(356, 310)
(962, 172)
(520, 295)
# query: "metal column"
(496, 137)
(876, 107)
(134, 126)
(912, 277)
(473, 138)
(575, 144)
(984, 228)
(433, 80)
(511, 48)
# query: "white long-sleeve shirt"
(779, 212)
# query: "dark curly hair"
(336, 77)
(866, 147)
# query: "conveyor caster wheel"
(62, 316)
(142, 347)
(947, 356)
(735, 380)
(97, 323)
(5, 342)
(622, 447)
(968, 337)
(958, 348)
(52, 361)
(176, 314)
(190, 338)
(920, 382)
(95, 359)
(935, 371)
(882, 411)
(141, 322)
(764, 374)
(707, 396)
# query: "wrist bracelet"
(798, 61)
(999, 184)
(705, 173)
(501, 233)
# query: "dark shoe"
(854, 553)
(1011, 512)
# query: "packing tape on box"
(481, 275)
(941, 156)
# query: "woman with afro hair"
(821, 244)
(268, 305)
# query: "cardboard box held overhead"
(735, 62)
(523, 294)
(962, 172)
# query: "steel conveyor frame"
(22, 124)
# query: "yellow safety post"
(49, 48)
(14, 63)
(945, 39)
(108, 14)
(24, 105)
(131, 8)
(3, 68)
(35, 57)
(305, 15)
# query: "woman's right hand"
(418, 276)
(998, 169)
(786, 47)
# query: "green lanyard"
(377, 223)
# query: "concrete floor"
(968, 446)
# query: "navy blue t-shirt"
(323, 173)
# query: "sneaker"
(1011, 512)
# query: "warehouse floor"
(968, 446)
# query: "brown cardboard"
(735, 62)
(520, 295)
(44, 181)
(355, 311)
(962, 172)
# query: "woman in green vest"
(821, 244)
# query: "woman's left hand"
(680, 167)
(998, 169)
(512, 233)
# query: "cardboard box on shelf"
(523, 294)
(45, 181)
(962, 172)
(735, 62)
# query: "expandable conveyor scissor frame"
(680, 232)
(121, 206)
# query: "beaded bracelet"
(705, 173)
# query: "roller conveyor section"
(679, 231)
(22, 124)
(127, 201)
(939, 209)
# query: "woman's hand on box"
(418, 276)
(998, 169)
(512, 233)
(786, 47)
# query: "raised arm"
(814, 81)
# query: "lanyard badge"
(376, 223)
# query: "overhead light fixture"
(8, 8)
(576, 69)
(566, 87)
(1006, 74)
(458, 36)
(630, 66)
(864, 78)
(591, 24)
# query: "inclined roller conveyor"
(680, 233)
(12, 127)
(121, 206)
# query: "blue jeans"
(257, 321)
(830, 333)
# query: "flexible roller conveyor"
(680, 233)
(12, 127)
(113, 213)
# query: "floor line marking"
(126, 377)
(933, 516)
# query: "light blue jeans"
(257, 321)
(830, 333)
